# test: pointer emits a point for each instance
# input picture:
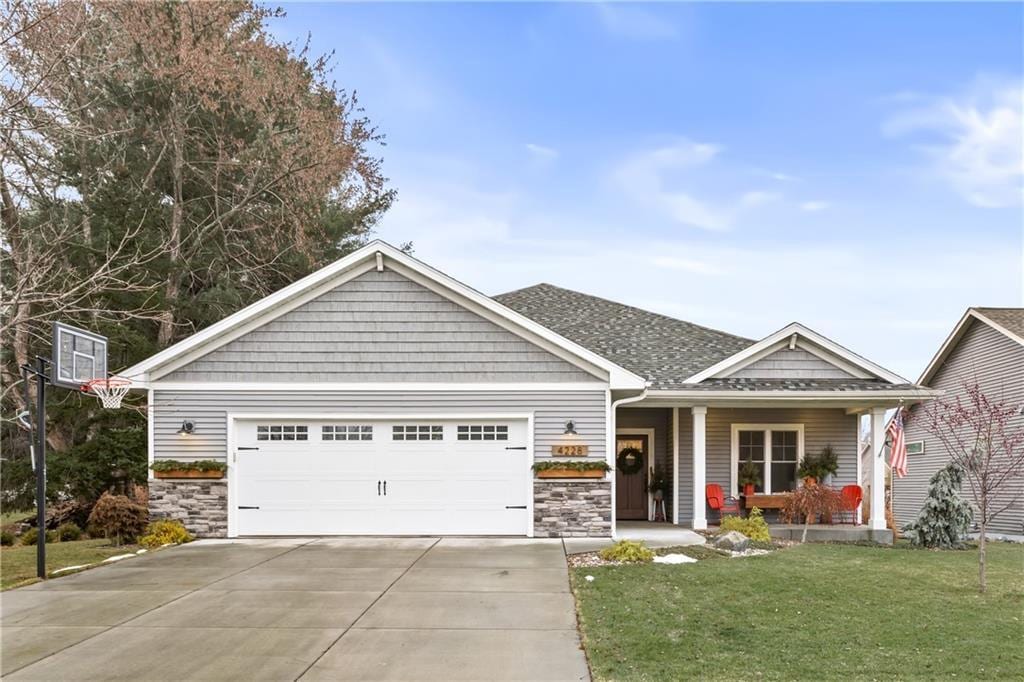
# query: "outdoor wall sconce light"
(188, 427)
(570, 429)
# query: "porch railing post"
(700, 521)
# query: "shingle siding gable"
(380, 327)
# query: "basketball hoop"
(110, 391)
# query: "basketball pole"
(39, 371)
(41, 467)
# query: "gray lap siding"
(209, 410)
(996, 363)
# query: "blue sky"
(855, 167)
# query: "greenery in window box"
(749, 474)
(198, 465)
(572, 465)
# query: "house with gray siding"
(985, 347)
(381, 396)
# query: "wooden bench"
(761, 501)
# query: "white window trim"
(734, 454)
(915, 442)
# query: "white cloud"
(974, 141)
(652, 178)
(542, 153)
(632, 22)
(814, 206)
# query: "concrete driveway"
(320, 609)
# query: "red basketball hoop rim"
(105, 383)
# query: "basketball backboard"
(79, 356)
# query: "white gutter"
(613, 406)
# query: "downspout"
(612, 420)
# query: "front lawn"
(807, 612)
(18, 563)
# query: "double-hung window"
(774, 449)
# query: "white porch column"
(877, 469)
(675, 465)
(700, 521)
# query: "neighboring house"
(987, 347)
(380, 396)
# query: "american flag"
(898, 445)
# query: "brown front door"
(631, 489)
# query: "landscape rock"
(734, 541)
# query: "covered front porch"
(687, 446)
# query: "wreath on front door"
(630, 461)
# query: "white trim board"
(954, 338)
(353, 265)
(283, 386)
(834, 353)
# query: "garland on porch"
(629, 461)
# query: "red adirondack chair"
(852, 495)
(717, 501)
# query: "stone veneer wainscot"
(572, 508)
(201, 505)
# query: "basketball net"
(110, 391)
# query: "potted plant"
(828, 463)
(203, 468)
(571, 469)
(809, 470)
(658, 486)
(749, 477)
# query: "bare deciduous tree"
(985, 438)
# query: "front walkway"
(310, 609)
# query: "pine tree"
(946, 516)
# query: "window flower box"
(169, 468)
(571, 469)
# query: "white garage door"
(410, 477)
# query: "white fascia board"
(332, 275)
(954, 338)
(835, 396)
(756, 351)
(283, 386)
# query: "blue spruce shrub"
(946, 517)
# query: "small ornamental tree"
(117, 518)
(946, 516)
(985, 438)
(809, 501)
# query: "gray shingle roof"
(741, 384)
(657, 347)
(1011, 319)
(662, 349)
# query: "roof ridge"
(633, 307)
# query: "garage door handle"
(516, 447)
(241, 507)
(378, 488)
(385, 488)
(515, 506)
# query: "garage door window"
(483, 432)
(417, 432)
(347, 432)
(282, 432)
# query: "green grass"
(18, 563)
(808, 612)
